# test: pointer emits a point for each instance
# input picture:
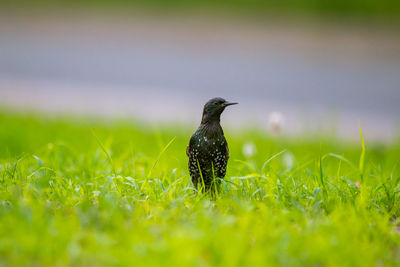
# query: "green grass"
(87, 192)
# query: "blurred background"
(296, 67)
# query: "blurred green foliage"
(79, 191)
(367, 9)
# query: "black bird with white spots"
(208, 148)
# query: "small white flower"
(288, 160)
(275, 122)
(249, 149)
(96, 193)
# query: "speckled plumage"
(208, 148)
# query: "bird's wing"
(227, 150)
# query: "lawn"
(90, 192)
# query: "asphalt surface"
(320, 78)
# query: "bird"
(208, 150)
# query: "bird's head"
(213, 109)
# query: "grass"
(87, 192)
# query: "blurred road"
(323, 78)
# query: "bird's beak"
(227, 103)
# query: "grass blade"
(362, 156)
(105, 152)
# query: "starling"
(207, 149)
